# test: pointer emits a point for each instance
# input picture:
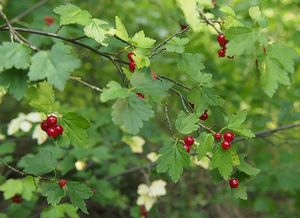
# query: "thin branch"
(168, 119)
(78, 79)
(175, 82)
(209, 22)
(183, 100)
(207, 128)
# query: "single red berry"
(132, 66)
(51, 132)
(17, 199)
(222, 40)
(140, 95)
(217, 136)
(228, 136)
(187, 148)
(49, 20)
(59, 129)
(44, 125)
(189, 141)
(204, 116)
(130, 56)
(222, 52)
(51, 121)
(62, 182)
(226, 145)
(234, 183)
(143, 211)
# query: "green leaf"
(75, 127)
(39, 164)
(235, 123)
(55, 65)
(113, 91)
(79, 192)
(247, 168)
(141, 58)
(227, 10)
(29, 188)
(71, 14)
(53, 192)
(141, 41)
(206, 142)
(191, 14)
(15, 81)
(121, 31)
(143, 82)
(255, 13)
(41, 97)
(244, 40)
(240, 192)
(234, 157)
(177, 44)
(96, 30)
(187, 123)
(14, 55)
(222, 160)
(172, 160)
(130, 113)
(11, 187)
(59, 211)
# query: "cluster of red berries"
(131, 62)
(62, 183)
(188, 142)
(204, 116)
(17, 199)
(143, 211)
(228, 137)
(51, 127)
(234, 183)
(49, 20)
(222, 42)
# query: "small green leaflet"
(79, 192)
(71, 14)
(275, 67)
(24, 187)
(235, 123)
(14, 55)
(39, 164)
(113, 91)
(206, 142)
(177, 44)
(143, 82)
(53, 192)
(186, 123)
(227, 10)
(240, 192)
(55, 65)
(234, 157)
(96, 30)
(247, 168)
(222, 160)
(41, 97)
(172, 160)
(60, 211)
(255, 13)
(15, 81)
(190, 12)
(141, 41)
(141, 58)
(75, 128)
(130, 113)
(244, 40)
(121, 31)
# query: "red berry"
(189, 141)
(153, 74)
(132, 66)
(62, 183)
(140, 95)
(51, 121)
(44, 125)
(59, 129)
(143, 211)
(204, 116)
(130, 56)
(17, 199)
(222, 52)
(218, 136)
(49, 20)
(226, 145)
(222, 40)
(234, 183)
(51, 132)
(228, 136)
(187, 148)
